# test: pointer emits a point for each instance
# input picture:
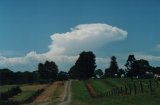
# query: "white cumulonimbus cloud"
(65, 47)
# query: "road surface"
(67, 95)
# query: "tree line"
(47, 72)
(84, 68)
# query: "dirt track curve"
(67, 95)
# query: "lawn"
(5, 88)
(32, 87)
(80, 95)
(22, 97)
(29, 92)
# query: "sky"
(33, 31)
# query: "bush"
(11, 92)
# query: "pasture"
(81, 95)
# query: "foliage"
(137, 67)
(8, 91)
(62, 76)
(48, 71)
(112, 71)
(9, 77)
(84, 67)
(98, 72)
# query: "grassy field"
(52, 93)
(5, 88)
(80, 95)
(23, 96)
(33, 87)
(28, 91)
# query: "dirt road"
(67, 95)
(48, 95)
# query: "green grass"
(5, 88)
(23, 96)
(80, 95)
(99, 86)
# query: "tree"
(98, 72)
(86, 65)
(73, 72)
(136, 67)
(113, 69)
(121, 72)
(6, 76)
(62, 76)
(48, 71)
(140, 67)
(41, 71)
(130, 64)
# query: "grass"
(5, 88)
(33, 87)
(28, 90)
(23, 96)
(59, 90)
(80, 95)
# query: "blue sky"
(27, 25)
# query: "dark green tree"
(140, 67)
(42, 71)
(98, 72)
(130, 64)
(121, 72)
(84, 67)
(73, 72)
(48, 71)
(62, 76)
(137, 67)
(113, 69)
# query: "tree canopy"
(137, 67)
(84, 67)
(48, 71)
(113, 69)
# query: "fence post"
(141, 85)
(135, 88)
(157, 83)
(126, 89)
(150, 85)
(130, 89)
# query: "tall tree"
(41, 71)
(130, 65)
(48, 71)
(73, 72)
(84, 67)
(136, 67)
(113, 69)
(140, 67)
